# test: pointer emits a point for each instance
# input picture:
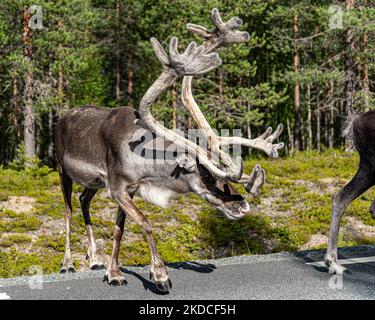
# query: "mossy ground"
(292, 213)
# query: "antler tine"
(216, 19)
(159, 51)
(263, 142)
(194, 61)
(224, 33)
(201, 31)
(255, 181)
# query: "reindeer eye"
(226, 189)
(206, 175)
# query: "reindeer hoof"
(336, 268)
(65, 270)
(333, 265)
(163, 286)
(97, 267)
(116, 281)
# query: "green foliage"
(33, 166)
(88, 50)
(18, 223)
(295, 205)
(21, 160)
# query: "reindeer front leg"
(159, 272)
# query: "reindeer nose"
(245, 207)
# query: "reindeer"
(108, 148)
(361, 130)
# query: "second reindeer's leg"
(67, 264)
(361, 182)
(114, 276)
(159, 272)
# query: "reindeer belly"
(90, 175)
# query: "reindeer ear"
(186, 162)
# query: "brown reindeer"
(127, 152)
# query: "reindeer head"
(219, 192)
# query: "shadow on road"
(304, 255)
(193, 266)
(312, 256)
(147, 284)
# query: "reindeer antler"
(195, 61)
(192, 62)
(225, 34)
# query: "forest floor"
(293, 213)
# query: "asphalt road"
(277, 276)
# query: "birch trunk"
(29, 117)
(297, 102)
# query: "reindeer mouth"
(237, 213)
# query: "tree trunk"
(221, 87)
(326, 127)
(60, 90)
(51, 134)
(174, 107)
(309, 119)
(318, 123)
(2, 147)
(366, 83)
(118, 71)
(16, 109)
(8, 149)
(130, 87)
(331, 115)
(248, 129)
(349, 65)
(290, 136)
(350, 79)
(29, 122)
(297, 102)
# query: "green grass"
(298, 194)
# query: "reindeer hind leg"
(67, 264)
(85, 200)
